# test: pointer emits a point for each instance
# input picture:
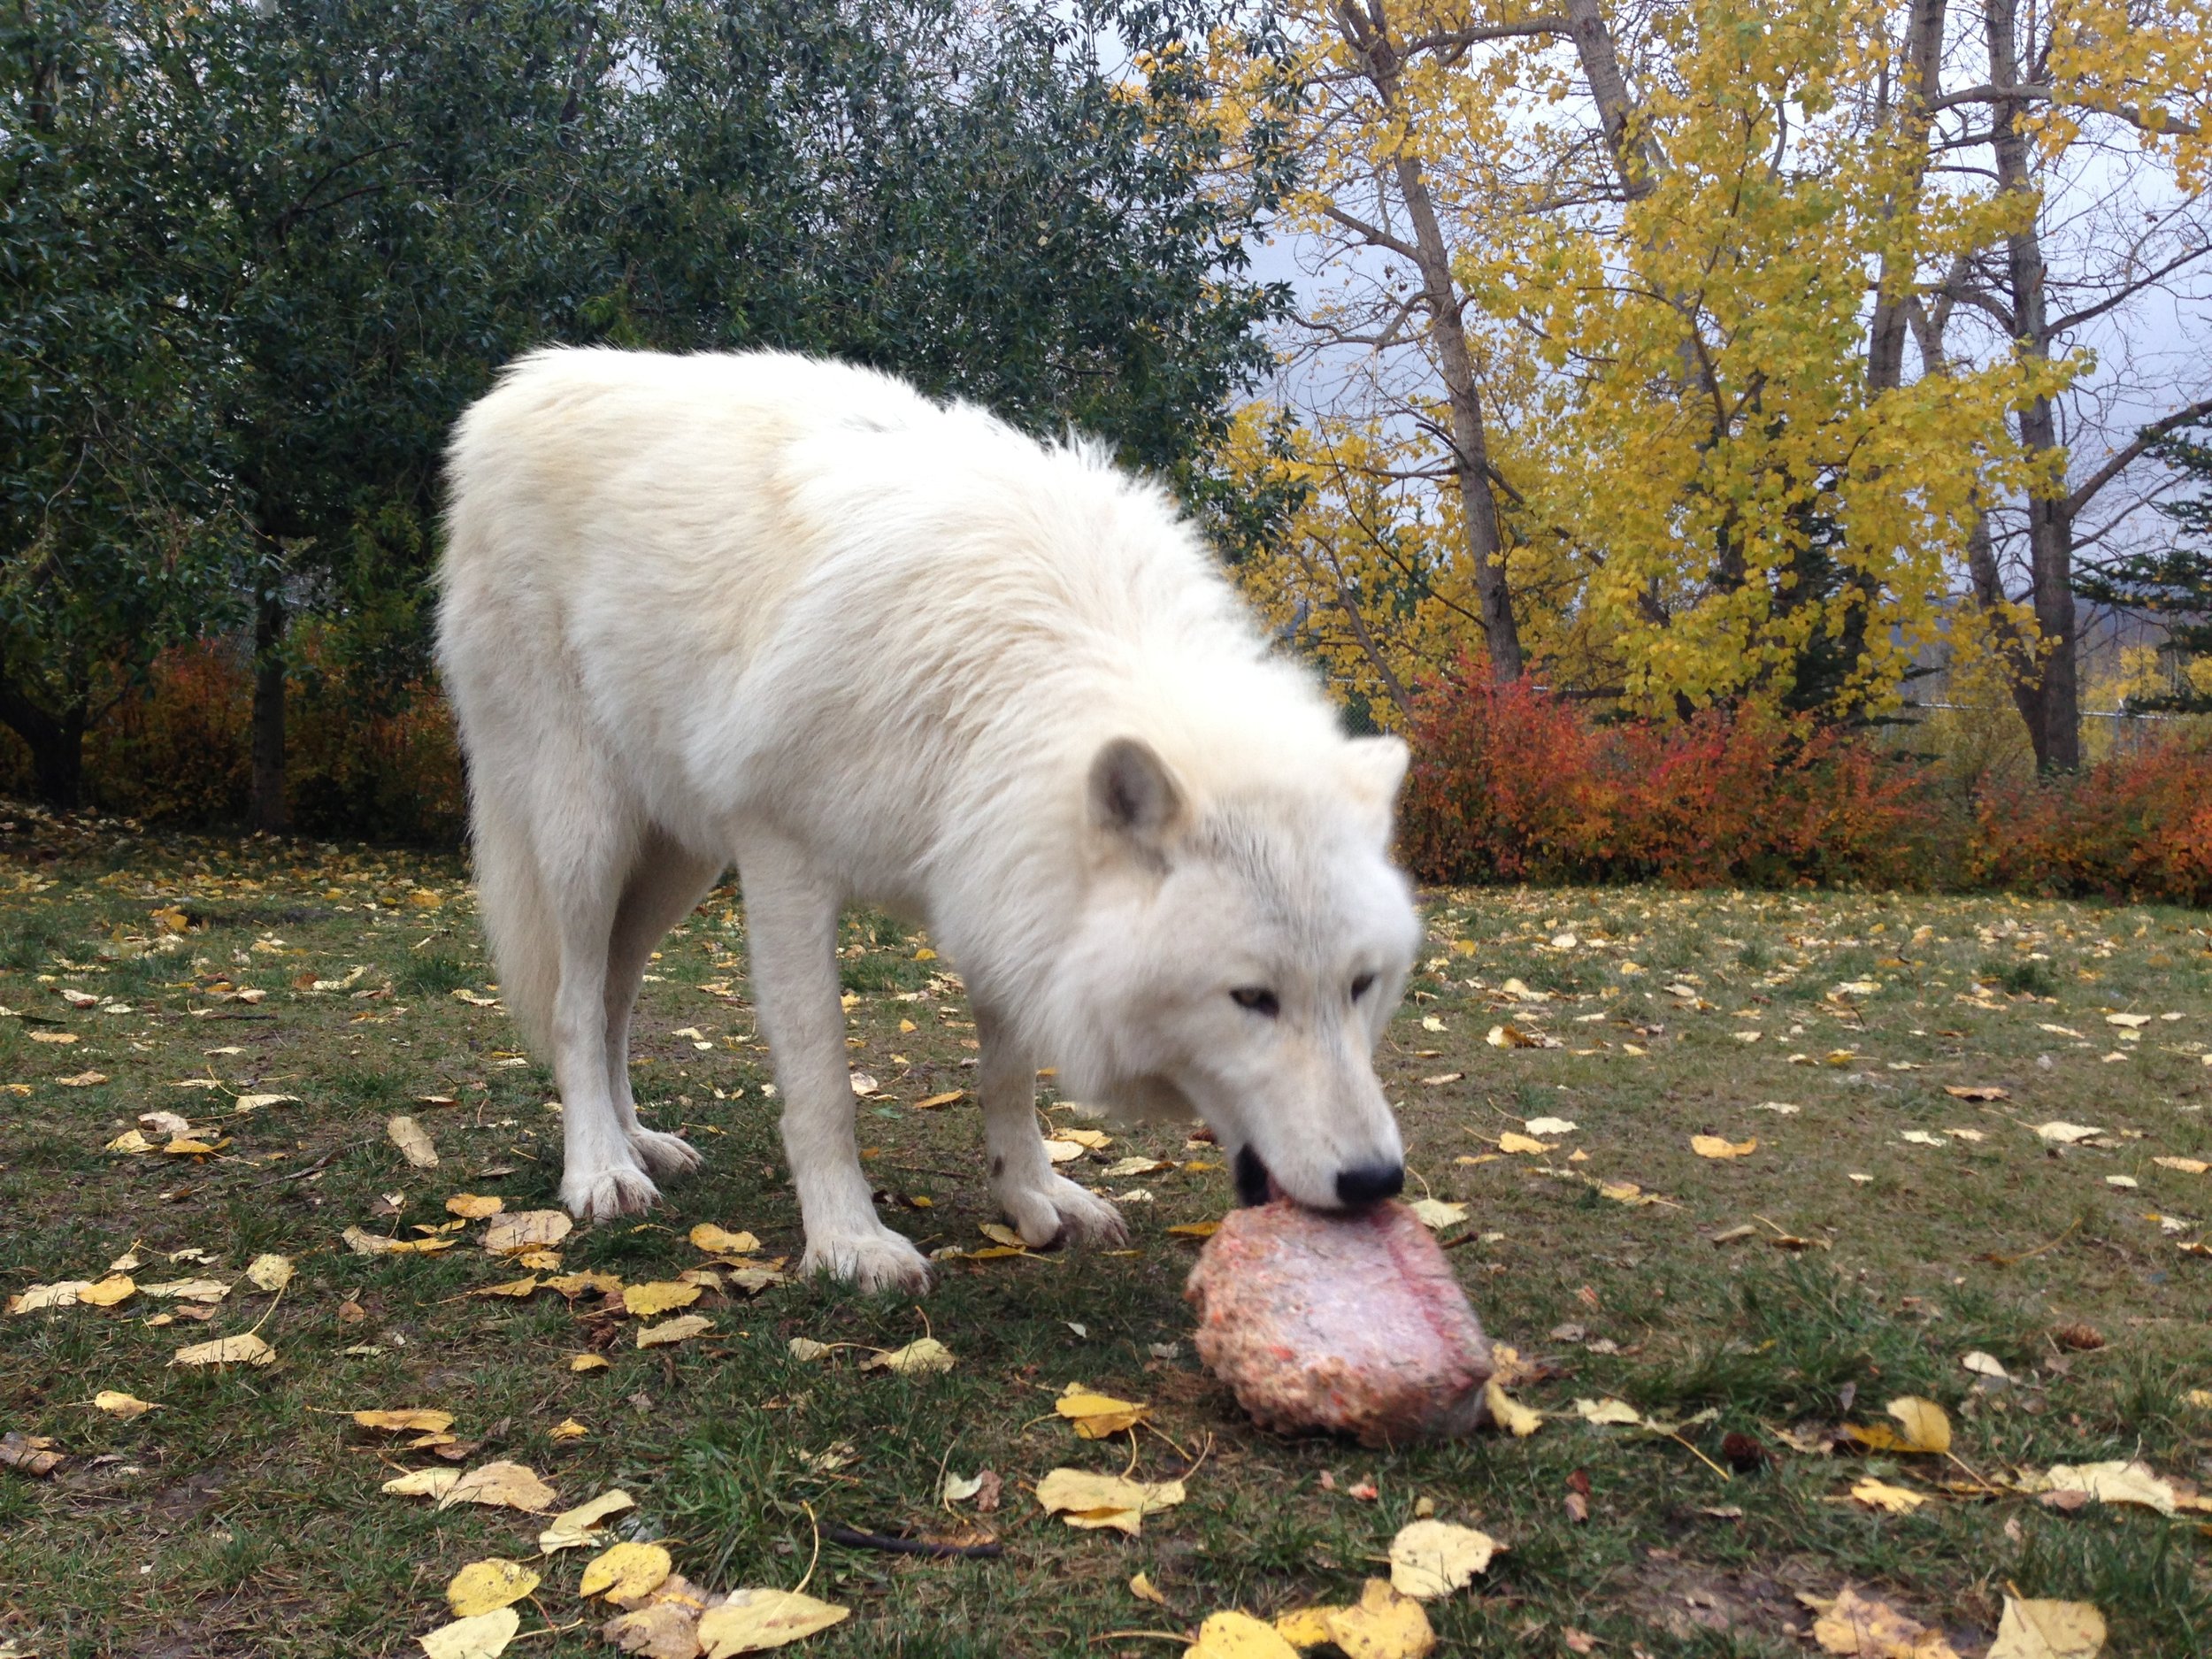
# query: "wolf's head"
(1238, 958)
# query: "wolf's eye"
(1258, 999)
(1362, 985)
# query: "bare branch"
(2122, 459)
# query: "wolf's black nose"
(1370, 1184)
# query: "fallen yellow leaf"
(1508, 1413)
(268, 1271)
(626, 1572)
(645, 1301)
(247, 1349)
(927, 1355)
(1382, 1624)
(2049, 1630)
(1877, 1494)
(1096, 1416)
(572, 1529)
(588, 1362)
(753, 1621)
(420, 1419)
(1235, 1635)
(474, 1206)
(479, 1637)
(935, 1101)
(1719, 1147)
(1433, 1558)
(109, 1291)
(482, 1586)
(682, 1329)
(122, 1405)
(1513, 1140)
(501, 1485)
(721, 1241)
(1144, 1590)
(1922, 1428)
(423, 1482)
(1863, 1629)
(413, 1141)
(1083, 1498)
(527, 1230)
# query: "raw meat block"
(1349, 1322)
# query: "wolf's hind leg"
(1045, 1206)
(665, 882)
(590, 856)
(791, 938)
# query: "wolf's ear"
(1133, 795)
(1377, 768)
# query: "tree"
(1706, 480)
(2172, 586)
(114, 510)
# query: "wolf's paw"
(1061, 1212)
(664, 1153)
(621, 1189)
(881, 1260)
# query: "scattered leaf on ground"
(645, 1301)
(33, 1454)
(1083, 1498)
(2049, 1630)
(1922, 1428)
(1862, 1628)
(1720, 1147)
(1433, 1558)
(753, 1621)
(1096, 1416)
(1233, 1635)
(418, 1419)
(2118, 1481)
(626, 1572)
(245, 1349)
(572, 1529)
(479, 1637)
(682, 1329)
(474, 1206)
(1382, 1624)
(413, 1141)
(501, 1485)
(121, 1405)
(527, 1230)
(721, 1241)
(1877, 1494)
(268, 1271)
(1509, 1414)
(482, 1586)
(926, 1355)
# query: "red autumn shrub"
(1510, 783)
(2138, 826)
(178, 749)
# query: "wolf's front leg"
(791, 932)
(1045, 1206)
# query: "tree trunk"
(1609, 90)
(56, 742)
(1366, 34)
(2051, 695)
(268, 813)
(1470, 446)
(1922, 65)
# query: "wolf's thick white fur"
(770, 611)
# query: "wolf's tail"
(519, 917)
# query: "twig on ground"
(853, 1539)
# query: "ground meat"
(1352, 1324)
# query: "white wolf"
(788, 615)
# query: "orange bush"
(1509, 784)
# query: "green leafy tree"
(114, 506)
(2172, 584)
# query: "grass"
(244, 1516)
